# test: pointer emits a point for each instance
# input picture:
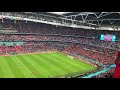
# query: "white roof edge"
(59, 13)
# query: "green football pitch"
(44, 65)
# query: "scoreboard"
(108, 37)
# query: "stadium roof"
(60, 13)
(99, 18)
(94, 18)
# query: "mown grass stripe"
(54, 66)
(84, 64)
(27, 73)
(52, 61)
(31, 67)
(1, 70)
(44, 64)
(6, 69)
(61, 63)
(39, 66)
(16, 71)
(64, 66)
(82, 68)
(74, 65)
(77, 69)
(68, 64)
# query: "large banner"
(11, 43)
(108, 37)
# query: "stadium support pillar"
(117, 69)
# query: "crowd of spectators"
(89, 44)
(31, 47)
(108, 74)
(41, 28)
(102, 57)
(88, 41)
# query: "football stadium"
(59, 45)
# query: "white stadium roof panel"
(59, 13)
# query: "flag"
(119, 54)
(117, 69)
(118, 57)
